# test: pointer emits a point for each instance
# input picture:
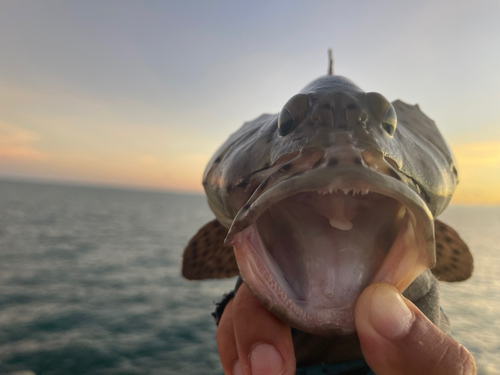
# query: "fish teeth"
(345, 191)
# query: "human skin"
(395, 338)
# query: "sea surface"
(90, 283)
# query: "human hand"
(395, 338)
(251, 340)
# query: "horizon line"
(91, 184)
(138, 188)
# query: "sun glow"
(479, 167)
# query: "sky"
(141, 94)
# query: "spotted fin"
(206, 257)
(453, 259)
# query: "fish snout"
(344, 155)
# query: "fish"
(337, 191)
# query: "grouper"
(339, 190)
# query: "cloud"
(17, 143)
(147, 159)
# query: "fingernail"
(389, 315)
(266, 360)
(237, 368)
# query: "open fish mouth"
(309, 245)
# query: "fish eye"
(294, 111)
(383, 111)
(390, 121)
(285, 122)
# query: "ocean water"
(90, 283)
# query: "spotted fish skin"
(417, 149)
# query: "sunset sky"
(140, 94)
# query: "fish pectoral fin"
(453, 259)
(206, 257)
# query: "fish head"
(336, 192)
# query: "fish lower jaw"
(310, 272)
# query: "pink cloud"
(17, 143)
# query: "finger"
(397, 338)
(226, 342)
(264, 342)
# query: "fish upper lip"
(345, 178)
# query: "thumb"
(397, 338)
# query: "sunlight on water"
(90, 283)
(474, 305)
